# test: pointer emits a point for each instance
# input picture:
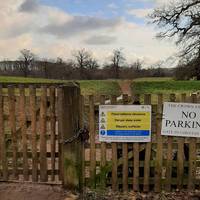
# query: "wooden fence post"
(168, 181)
(43, 130)
(192, 156)
(92, 142)
(22, 118)
(125, 156)
(12, 124)
(69, 123)
(32, 94)
(3, 157)
(147, 101)
(103, 153)
(159, 150)
(114, 155)
(180, 156)
(136, 160)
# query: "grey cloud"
(100, 40)
(78, 25)
(15, 31)
(29, 6)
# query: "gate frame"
(69, 124)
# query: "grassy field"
(153, 79)
(88, 87)
(111, 87)
(12, 79)
(164, 85)
(98, 87)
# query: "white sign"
(181, 119)
(125, 123)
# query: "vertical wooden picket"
(180, 156)
(103, 152)
(43, 142)
(52, 131)
(60, 113)
(169, 155)
(159, 151)
(23, 127)
(3, 156)
(192, 156)
(136, 159)
(82, 148)
(125, 156)
(92, 142)
(32, 94)
(114, 155)
(147, 101)
(12, 124)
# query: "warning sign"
(125, 123)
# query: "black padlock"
(85, 135)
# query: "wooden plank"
(82, 153)
(43, 129)
(180, 156)
(22, 117)
(136, 167)
(103, 153)
(125, 156)
(192, 156)
(147, 101)
(92, 142)
(32, 94)
(60, 114)
(3, 156)
(52, 130)
(77, 143)
(136, 158)
(169, 156)
(12, 124)
(159, 151)
(71, 158)
(114, 155)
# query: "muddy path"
(125, 86)
(27, 191)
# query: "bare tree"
(117, 60)
(26, 59)
(137, 65)
(92, 64)
(181, 20)
(84, 61)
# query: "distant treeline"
(83, 66)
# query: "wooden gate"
(37, 123)
(34, 122)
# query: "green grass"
(98, 87)
(88, 87)
(164, 86)
(12, 79)
(153, 79)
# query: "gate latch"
(83, 134)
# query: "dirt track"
(125, 86)
(20, 191)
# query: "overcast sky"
(54, 28)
